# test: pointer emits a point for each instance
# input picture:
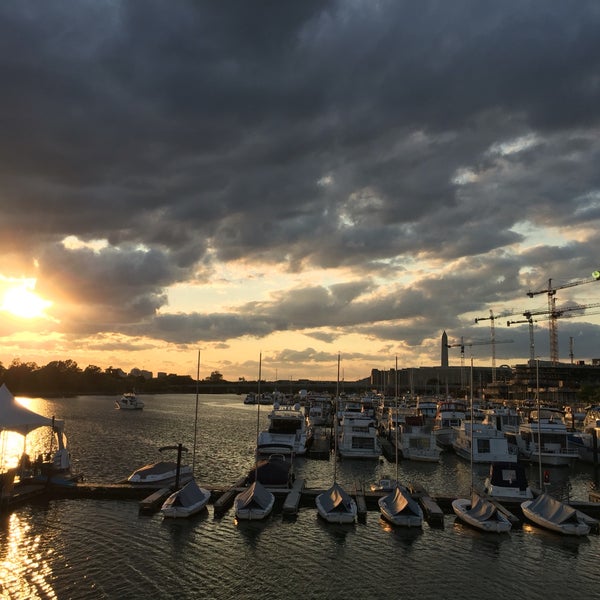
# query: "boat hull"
(499, 524)
(578, 528)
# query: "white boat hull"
(498, 524)
(577, 528)
(174, 508)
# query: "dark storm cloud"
(316, 134)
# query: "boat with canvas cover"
(552, 514)
(187, 501)
(399, 508)
(335, 505)
(254, 503)
(160, 472)
(481, 514)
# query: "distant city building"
(140, 373)
(161, 374)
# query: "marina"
(103, 502)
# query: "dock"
(154, 501)
(432, 512)
(320, 447)
(361, 503)
(225, 500)
(291, 503)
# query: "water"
(105, 549)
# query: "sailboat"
(190, 499)
(477, 511)
(546, 511)
(255, 502)
(335, 505)
(398, 507)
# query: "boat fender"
(546, 476)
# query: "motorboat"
(320, 410)
(490, 444)
(276, 471)
(507, 481)
(399, 508)
(480, 513)
(552, 514)
(287, 432)
(160, 472)
(417, 441)
(427, 408)
(129, 401)
(449, 416)
(185, 502)
(254, 503)
(335, 505)
(357, 437)
(554, 449)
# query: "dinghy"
(555, 515)
(254, 503)
(336, 506)
(481, 514)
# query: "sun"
(21, 301)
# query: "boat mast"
(335, 418)
(196, 416)
(472, 432)
(537, 393)
(257, 418)
(396, 420)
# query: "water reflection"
(24, 570)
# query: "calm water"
(105, 549)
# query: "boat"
(490, 444)
(335, 505)
(256, 501)
(276, 471)
(191, 498)
(160, 472)
(129, 401)
(551, 428)
(480, 513)
(507, 481)
(427, 408)
(357, 437)
(552, 514)
(417, 441)
(449, 415)
(287, 432)
(320, 413)
(185, 502)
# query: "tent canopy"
(15, 417)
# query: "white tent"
(15, 417)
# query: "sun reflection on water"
(24, 572)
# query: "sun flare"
(21, 301)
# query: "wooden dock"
(150, 504)
(291, 503)
(225, 500)
(361, 503)
(432, 512)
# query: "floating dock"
(292, 500)
(432, 512)
(154, 501)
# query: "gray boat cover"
(189, 494)
(255, 495)
(335, 499)
(551, 509)
(400, 501)
(481, 509)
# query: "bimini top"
(15, 417)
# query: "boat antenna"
(335, 418)
(257, 418)
(196, 415)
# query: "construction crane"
(492, 318)
(543, 314)
(462, 345)
(551, 291)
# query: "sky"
(290, 181)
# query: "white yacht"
(287, 432)
(417, 441)
(357, 437)
(449, 415)
(490, 444)
(551, 427)
(427, 407)
(508, 482)
(129, 401)
(320, 410)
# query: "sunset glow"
(20, 300)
